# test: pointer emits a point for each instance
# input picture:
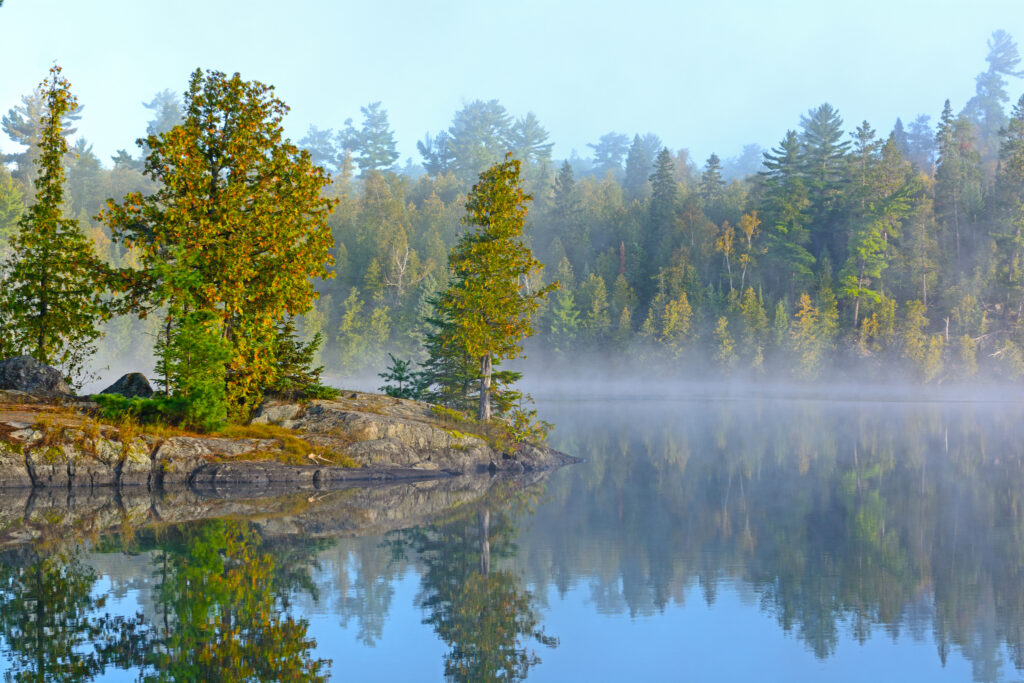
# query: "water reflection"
(485, 616)
(843, 518)
(221, 601)
(845, 522)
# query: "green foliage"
(53, 292)
(192, 365)
(400, 379)
(487, 306)
(159, 410)
(240, 210)
(296, 377)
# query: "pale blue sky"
(709, 76)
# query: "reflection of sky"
(733, 640)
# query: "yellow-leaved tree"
(231, 241)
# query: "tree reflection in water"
(484, 614)
(222, 592)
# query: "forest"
(841, 251)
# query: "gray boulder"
(25, 373)
(132, 385)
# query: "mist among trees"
(869, 249)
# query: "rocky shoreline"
(54, 443)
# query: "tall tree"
(986, 110)
(824, 156)
(712, 185)
(785, 207)
(479, 136)
(487, 299)
(958, 181)
(24, 125)
(609, 151)
(52, 296)
(374, 143)
(639, 161)
(320, 145)
(1010, 212)
(238, 226)
(11, 207)
(528, 140)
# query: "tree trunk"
(484, 517)
(485, 388)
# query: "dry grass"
(294, 449)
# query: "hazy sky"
(710, 76)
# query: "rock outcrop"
(25, 373)
(380, 431)
(44, 446)
(132, 385)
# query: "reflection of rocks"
(59, 516)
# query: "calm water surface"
(761, 540)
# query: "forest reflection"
(840, 517)
(219, 596)
(844, 521)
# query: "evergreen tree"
(323, 153)
(565, 322)
(1009, 233)
(661, 213)
(921, 143)
(24, 125)
(609, 151)
(528, 140)
(374, 144)
(479, 136)
(639, 161)
(957, 184)
(437, 152)
(986, 110)
(11, 207)
(785, 206)
(486, 300)
(712, 186)
(594, 303)
(52, 299)
(824, 159)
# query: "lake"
(729, 540)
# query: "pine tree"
(609, 151)
(824, 158)
(52, 300)
(374, 143)
(528, 140)
(1009, 233)
(785, 207)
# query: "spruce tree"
(487, 302)
(52, 300)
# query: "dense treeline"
(836, 250)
